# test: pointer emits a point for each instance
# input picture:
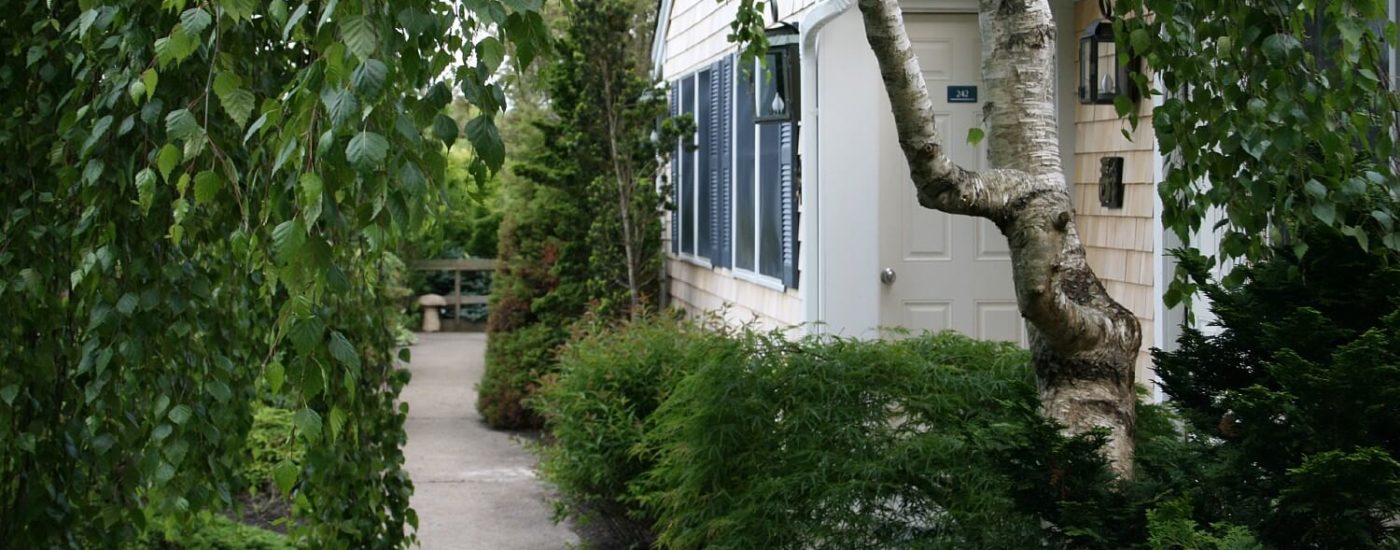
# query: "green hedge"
(668, 434)
(596, 409)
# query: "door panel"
(952, 272)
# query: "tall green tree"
(581, 225)
(201, 198)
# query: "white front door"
(949, 272)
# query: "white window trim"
(694, 214)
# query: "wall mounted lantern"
(777, 95)
(1101, 77)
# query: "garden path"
(474, 488)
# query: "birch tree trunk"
(1083, 343)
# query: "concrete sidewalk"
(473, 487)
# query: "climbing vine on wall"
(201, 199)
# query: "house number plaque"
(962, 94)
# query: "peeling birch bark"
(1083, 343)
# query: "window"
(762, 187)
(734, 179)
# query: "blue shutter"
(712, 155)
(675, 182)
(787, 177)
(722, 226)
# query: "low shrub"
(596, 408)
(852, 444)
(1171, 527)
(516, 360)
(737, 439)
(270, 442)
(216, 532)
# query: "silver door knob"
(887, 275)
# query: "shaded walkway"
(474, 487)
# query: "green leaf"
(127, 304)
(1315, 189)
(491, 53)
(359, 36)
(1140, 40)
(236, 101)
(1325, 211)
(1277, 47)
(9, 393)
(285, 475)
(221, 392)
(165, 472)
(306, 334)
(311, 196)
(337, 422)
(92, 171)
(327, 12)
(85, 21)
(99, 130)
(145, 189)
(239, 9)
(975, 135)
(181, 124)
(162, 431)
(482, 133)
(288, 238)
(162, 403)
(341, 105)
(369, 77)
(1123, 106)
(445, 129)
(180, 414)
(367, 149)
(169, 158)
(206, 186)
(137, 91)
(296, 17)
(309, 423)
(150, 78)
(276, 375)
(195, 20)
(342, 351)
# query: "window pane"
(770, 201)
(704, 210)
(686, 206)
(744, 237)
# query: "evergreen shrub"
(596, 410)
(738, 439)
(538, 288)
(1294, 404)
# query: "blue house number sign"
(962, 94)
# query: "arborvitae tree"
(580, 225)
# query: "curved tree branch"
(1084, 343)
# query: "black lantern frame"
(1101, 77)
(777, 86)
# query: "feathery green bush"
(732, 438)
(1295, 403)
(596, 410)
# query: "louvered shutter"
(787, 178)
(723, 234)
(676, 173)
(711, 175)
